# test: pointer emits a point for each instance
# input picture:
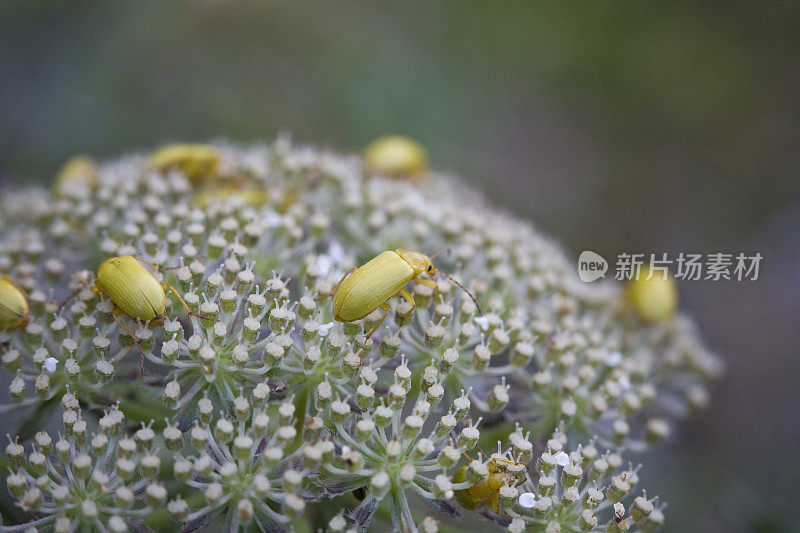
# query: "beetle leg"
(409, 299)
(427, 282)
(164, 286)
(495, 504)
(455, 445)
(386, 310)
(337, 286)
(115, 313)
(481, 450)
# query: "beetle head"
(418, 261)
(158, 320)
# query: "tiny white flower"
(527, 500)
(50, 364)
(482, 321)
(562, 459)
(336, 252)
(324, 264)
(614, 359)
(325, 328)
(272, 220)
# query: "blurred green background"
(615, 127)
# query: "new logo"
(591, 266)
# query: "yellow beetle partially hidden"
(199, 162)
(362, 290)
(134, 291)
(398, 157)
(486, 493)
(13, 304)
(654, 296)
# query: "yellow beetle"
(13, 304)
(397, 156)
(486, 493)
(134, 291)
(247, 196)
(654, 299)
(364, 289)
(199, 162)
(78, 175)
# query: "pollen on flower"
(255, 404)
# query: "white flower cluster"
(254, 404)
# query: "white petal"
(324, 264)
(614, 359)
(482, 321)
(336, 252)
(562, 459)
(325, 328)
(50, 364)
(527, 500)
(273, 220)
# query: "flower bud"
(178, 509)
(324, 394)
(242, 445)
(448, 456)
(339, 411)
(81, 466)
(223, 430)
(412, 426)
(546, 485)
(293, 506)
(350, 364)
(507, 496)
(379, 484)
(149, 465)
(442, 487)
(434, 335)
(498, 398)
(17, 484)
(383, 415)
(389, 345)
(37, 463)
(445, 425)
(292, 480)
(422, 448)
(588, 520)
(618, 488)
(448, 360)
(480, 357)
(144, 439)
(285, 435)
(397, 396)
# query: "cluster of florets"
(255, 404)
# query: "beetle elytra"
(134, 291)
(362, 290)
(13, 304)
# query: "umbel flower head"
(206, 382)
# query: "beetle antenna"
(462, 288)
